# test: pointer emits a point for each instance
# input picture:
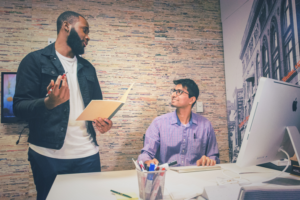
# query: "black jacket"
(47, 128)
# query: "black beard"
(75, 43)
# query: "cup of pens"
(151, 182)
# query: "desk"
(97, 186)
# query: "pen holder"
(151, 184)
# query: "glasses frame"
(177, 92)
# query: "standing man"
(50, 102)
(182, 135)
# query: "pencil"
(121, 194)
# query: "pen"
(63, 76)
(121, 194)
(166, 165)
(173, 163)
(157, 185)
(142, 165)
(149, 181)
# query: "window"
(262, 16)
(287, 37)
(287, 19)
(274, 51)
(266, 70)
(255, 35)
(251, 46)
(289, 56)
(257, 68)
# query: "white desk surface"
(97, 186)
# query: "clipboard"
(103, 108)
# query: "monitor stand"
(291, 141)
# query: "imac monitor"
(273, 120)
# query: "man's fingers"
(56, 85)
(51, 84)
(102, 122)
(103, 125)
(155, 161)
(208, 161)
(203, 162)
(64, 89)
(97, 123)
(108, 122)
(148, 162)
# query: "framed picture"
(8, 84)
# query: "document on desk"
(133, 196)
(182, 192)
(103, 108)
(186, 169)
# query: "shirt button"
(182, 162)
(182, 151)
(53, 72)
(183, 139)
(62, 129)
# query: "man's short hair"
(69, 16)
(191, 87)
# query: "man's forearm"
(28, 109)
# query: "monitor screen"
(275, 108)
(8, 84)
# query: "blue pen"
(149, 181)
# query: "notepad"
(132, 194)
(186, 169)
(103, 108)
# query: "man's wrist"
(49, 104)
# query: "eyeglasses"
(178, 92)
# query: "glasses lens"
(179, 92)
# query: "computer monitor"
(8, 84)
(274, 123)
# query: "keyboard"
(186, 169)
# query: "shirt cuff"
(144, 157)
(216, 158)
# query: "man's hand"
(103, 125)
(58, 94)
(154, 161)
(206, 161)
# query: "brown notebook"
(103, 108)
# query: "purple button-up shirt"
(168, 140)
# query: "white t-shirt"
(78, 143)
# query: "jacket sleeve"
(97, 92)
(26, 102)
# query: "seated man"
(182, 135)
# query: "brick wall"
(149, 42)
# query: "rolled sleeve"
(151, 144)
(212, 150)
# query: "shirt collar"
(175, 119)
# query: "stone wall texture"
(149, 42)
